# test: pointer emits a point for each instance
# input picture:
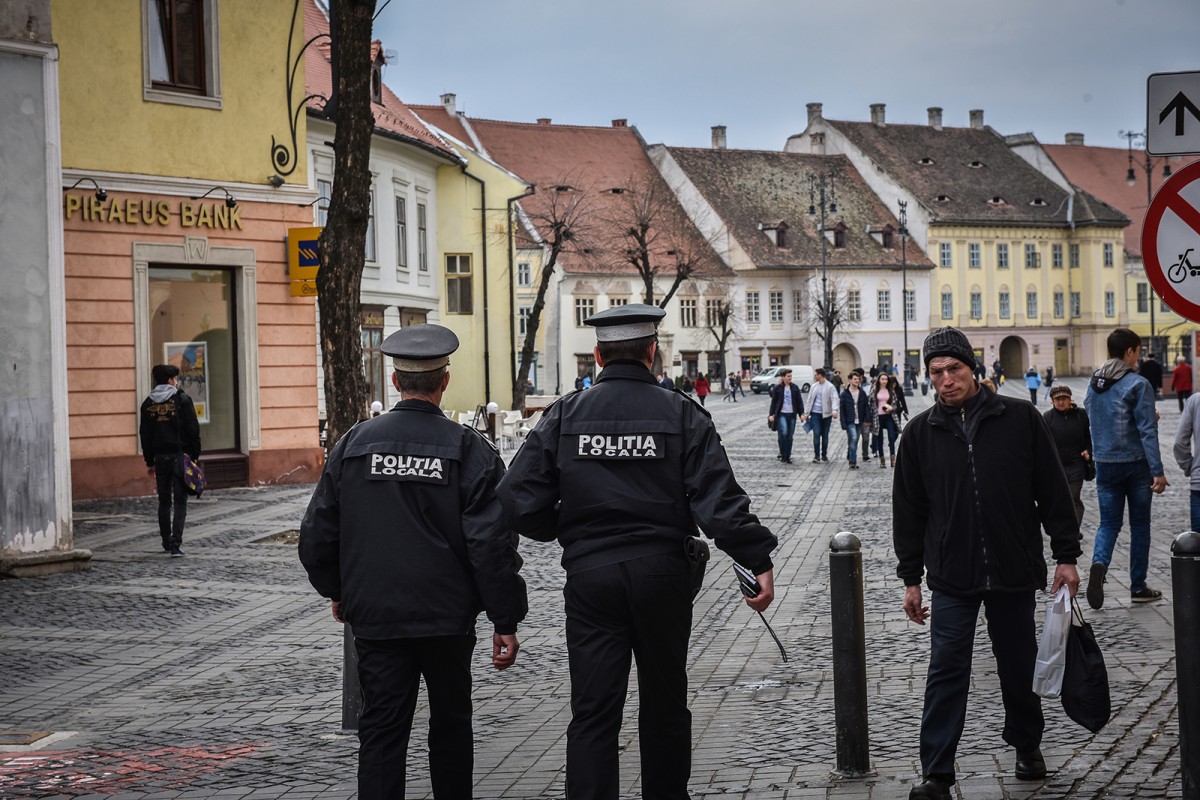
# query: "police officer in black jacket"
(620, 475)
(404, 535)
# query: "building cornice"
(291, 194)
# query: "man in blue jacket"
(1120, 405)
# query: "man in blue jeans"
(1120, 404)
(822, 411)
(786, 405)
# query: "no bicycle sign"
(1171, 242)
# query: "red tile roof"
(1101, 171)
(443, 120)
(392, 117)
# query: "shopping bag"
(1052, 651)
(1085, 695)
(193, 475)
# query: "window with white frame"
(775, 306)
(1031, 256)
(523, 313)
(458, 284)
(1143, 298)
(1108, 255)
(1075, 304)
(422, 239)
(401, 234)
(1005, 304)
(1002, 255)
(884, 304)
(976, 305)
(524, 274)
(584, 308)
(712, 312)
(854, 305)
(324, 191)
(181, 53)
(687, 313)
(947, 305)
(797, 305)
(1073, 255)
(910, 305)
(1031, 305)
(1056, 256)
(613, 302)
(752, 308)
(974, 255)
(1058, 304)
(1110, 303)
(944, 251)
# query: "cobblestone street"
(218, 675)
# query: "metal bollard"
(1185, 586)
(849, 656)
(352, 700)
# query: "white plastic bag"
(1052, 652)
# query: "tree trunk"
(343, 242)
(531, 328)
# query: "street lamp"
(904, 283)
(821, 194)
(1131, 179)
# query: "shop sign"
(132, 211)
(304, 259)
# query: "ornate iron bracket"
(283, 159)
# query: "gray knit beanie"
(949, 342)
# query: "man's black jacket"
(168, 424)
(970, 513)
(777, 399)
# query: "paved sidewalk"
(218, 675)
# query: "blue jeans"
(820, 426)
(1116, 482)
(1010, 624)
(852, 431)
(785, 429)
(886, 423)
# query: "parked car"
(802, 376)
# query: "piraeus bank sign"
(129, 211)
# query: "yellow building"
(183, 168)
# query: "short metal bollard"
(849, 656)
(1185, 586)
(352, 700)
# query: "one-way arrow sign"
(1173, 113)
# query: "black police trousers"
(389, 671)
(640, 608)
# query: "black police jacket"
(626, 470)
(968, 509)
(404, 529)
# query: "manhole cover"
(21, 737)
(282, 537)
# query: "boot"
(883, 461)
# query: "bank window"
(1110, 304)
(524, 274)
(775, 301)
(1058, 305)
(1073, 255)
(883, 299)
(974, 255)
(976, 305)
(1056, 256)
(1002, 256)
(373, 359)
(422, 240)
(584, 308)
(1005, 305)
(180, 51)
(193, 319)
(1031, 305)
(1108, 255)
(1075, 304)
(944, 250)
(369, 249)
(752, 308)
(687, 313)
(523, 319)
(910, 305)
(401, 233)
(854, 305)
(947, 305)
(324, 191)
(1032, 261)
(458, 284)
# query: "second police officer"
(620, 475)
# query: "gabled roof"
(440, 118)
(970, 176)
(392, 117)
(1102, 170)
(753, 189)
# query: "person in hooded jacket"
(1129, 468)
(1072, 434)
(168, 428)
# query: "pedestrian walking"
(168, 429)
(403, 533)
(1152, 371)
(822, 411)
(1048, 380)
(702, 387)
(1072, 432)
(786, 404)
(740, 384)
(666, 382)
(972, 443)
(855, 410)
(866, 431)
(730, 389)
(1181, 381)
(621, 476)
(888, 404)
(1186, 449)
(1033, 382)
(1129, 469)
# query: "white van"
(803, 376)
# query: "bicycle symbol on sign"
(1183, 268)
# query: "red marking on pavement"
(114, 771)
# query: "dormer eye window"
(1037, 202)
(839, 237)
(943, 198)
(889, 240)
(616, 190)
(976, 164)
(996, 200)
(926, 161)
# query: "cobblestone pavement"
(218, 675)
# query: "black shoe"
(176, 552)
(1095, 590)
(823, 458)
(816, 461)
(786, 460)
(166, 546)
(930, 789)
(853, 465)
(866, 458)
(1031, 766)
(1146, 595)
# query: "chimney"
(620, 123)
(976, 118)
(877, 117)
(935, 118)
(543, 121)
(718, 137)
(448, 103)
(1075, 138)
(816, 143)
(814, 112)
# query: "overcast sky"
(675, 68)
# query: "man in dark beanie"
(977, 480)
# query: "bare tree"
(343, 242)
(828, 313)
(720, 324)
(560, 217)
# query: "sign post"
(1173, 113)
